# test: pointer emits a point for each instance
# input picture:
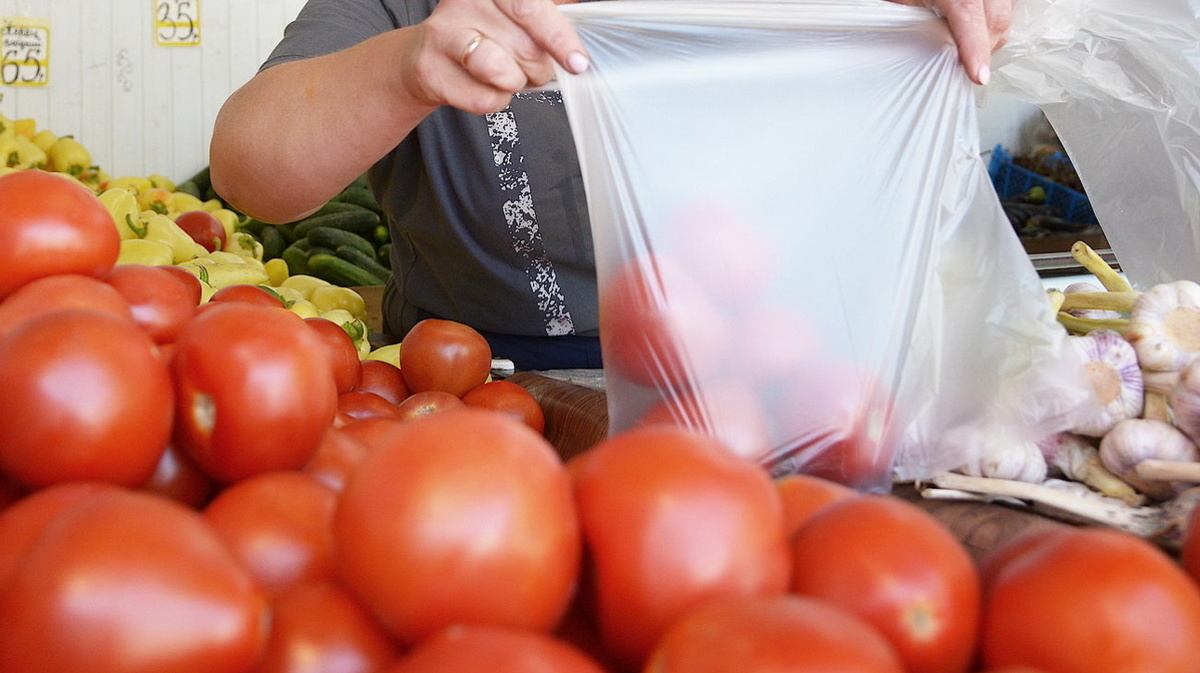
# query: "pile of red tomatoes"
(188, 492)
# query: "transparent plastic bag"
(798, 247)
(1120, 83)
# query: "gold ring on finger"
(470, 49)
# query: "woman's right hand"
(475, 54)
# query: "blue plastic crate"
(1012, 180)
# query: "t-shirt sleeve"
(326, 26)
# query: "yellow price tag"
(177, 22)
(24, 51)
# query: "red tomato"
(320, 628)
(279, 525)
(204, 228)
(178, 477)
(444, 355)
(1092, 599)
(1189, 553)
(374, 432)
(671, 519)
(22, 524)
(254, 390)
(660, 328)
(840, 419)
(509, 398)
(187, 278)
(130, 582)
(427, 403)
(736, 266)
(728, 411)
(337, 455)
(473, 648)
(85, 398)
(51, 225)
(766, 634)
(996, 557)
(361, 404)
(383, 379)
(251, 294)
(893, 564)
(10, 492)
(804, 494)
(462, 517)
(54, 293)
(160, 303)
(347, 367)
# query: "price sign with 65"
(177, 22)
(24, 51)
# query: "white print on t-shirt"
(523, 225)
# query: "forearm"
(299, 132)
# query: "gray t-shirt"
(487, 213)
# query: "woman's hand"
(979, 26)
(474, 54)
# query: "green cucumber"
(341, 272)
(297, 260)
(360, 196)
(363, 260)
(336, 207)
(384, 254)
(332, 237)
(361, 222)
(272, 241)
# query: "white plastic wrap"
(798, 247)
(1120, 83)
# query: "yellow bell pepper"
(122, 206)
(44, 139)
(287, 294)
(330, 297)
(26, 127)
(8, 151)
(304, 308)
(164, 230)
(277, 271)
(69, 156)
(29, 155)
(218, 274)
(154, 199)
(6, 126)
(228, 218)
(144, 251)
(161, 181)
(389, 353)
(226, 257)
(305, 283)
(182, 202)
(133, 183)
(213, 205)
(357, 329)
(245, 245)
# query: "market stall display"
(202, 446)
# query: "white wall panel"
(140, 107)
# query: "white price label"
(24, 51)
(177, 22)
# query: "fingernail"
(984, 74)
(577, 62)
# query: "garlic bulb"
(1164, 325)
(1185, 400)
(1019, 461)
(1136, 439)
(1112, 366)
(1075, 458)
